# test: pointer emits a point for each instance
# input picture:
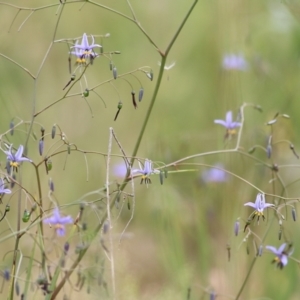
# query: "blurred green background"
(181, 230)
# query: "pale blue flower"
(234, 62)
(228, 123)
(259, 205)
(85, 50)
(145, 171)
(15, 159)
(58, 222)
(281, 253)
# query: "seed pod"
(49, 164)
(41, 147)
(53, 131)
(115, 73)
(86, 93)
(141, 94)
(26, 216)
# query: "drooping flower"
(3, 189)
(228, 124)
(15, 159)
(58, 222)
(282, 254)
(145, 171)
(234, 62)
(259, 206)
(85, 50)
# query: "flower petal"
(273, 249)
(250, 204)
(221, 122)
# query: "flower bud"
(51, 185)
(69, 149)
(150, 75)
(66, 247)
(141, 94)
(17, 287)
(251, 150)
(236, 227)
(115, 73)
(133, 99)
(294, 213)
(161, 177)
(53, 131)
(11, 127)
(41, 147)
(110, 66)
(269, 151)
(260, 250)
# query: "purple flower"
(281, 255)
(214, 175)
(145, 171)
(234, 62)
(85, 50)
(58, 222)
(259, 205)
(228, 123)
(3, 189)
(15, 159)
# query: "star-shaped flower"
(58, 222)
(259, 206)
(85, 50)
(235, 62)
(281, 253)
(15, 159)
(228, 124)
(145, 171)
(3, 189)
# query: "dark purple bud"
(236, 227)
(294, 213)
(106, 227)
(133, 99)
(53, 131)
(6, 274)
(115, 73)
(66, 247)
(8, 167)
(51, 185)
(41, 147)
(212, 295)
(12, 127)
(141, 94)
